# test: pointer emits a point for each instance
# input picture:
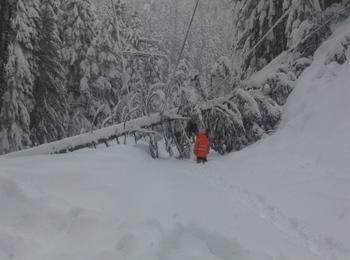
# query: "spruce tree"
(129, 65)
(6, 12)
(110, 42)
(291, 20)
(49, 117)
(17, 100)
(77, 32)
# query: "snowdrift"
(286, 197)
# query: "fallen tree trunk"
(101, 136)
(236, 110)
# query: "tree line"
(60, 65)
(67, 68)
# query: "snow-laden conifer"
(17, 99)
(49, 117)
(77, 19)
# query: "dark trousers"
(202, 159)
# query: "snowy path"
(116, 203)
(319, 245)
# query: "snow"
(284, 198)
(98, 204)
(262, 75)
(88, 138)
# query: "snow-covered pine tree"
(17, 100)
(270, 111)
(6, 12)
(111, 84)
(225, 127)
(77, 32)
(110, 43)
(176, 92)
(265, 28)
(49, 117)
(232, 121)
(147, 71)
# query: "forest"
(70, 67)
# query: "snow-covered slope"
(286, 197)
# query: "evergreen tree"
(140, 66)
(6, 12)
(77, 33)
(291, 20)
(49, 117)
(110, 44)
(17, 99)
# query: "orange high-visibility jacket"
(201, 147)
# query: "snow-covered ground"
(286, 197)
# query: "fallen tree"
(101, 136)
(232, 122)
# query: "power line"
(183, 46)
(303, 40)
(185, 40)
(271, 29)
(319, 28)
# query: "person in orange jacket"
(202, 147)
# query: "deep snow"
(286, 197)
